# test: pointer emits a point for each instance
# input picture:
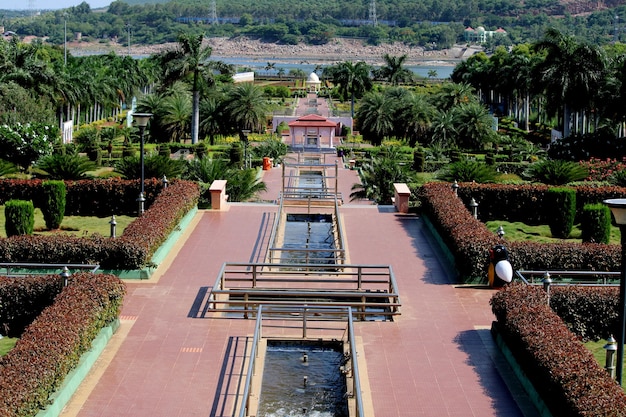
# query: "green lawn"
(75, 225)
(520, 232)
(6, 344)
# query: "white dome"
(480, 29)
(313, 78)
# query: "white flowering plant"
(24, 144)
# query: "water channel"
(303, 379)
(309, 238)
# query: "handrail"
(604, 276)
(306, 311)
(8, 266)
(251, 365)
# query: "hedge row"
(469, 240)
(100, 197)
(132, 250)
(566, 374)
(22, 301)
(53, 344)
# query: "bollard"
(547, 281)
(65, 275)
(611, 348)
(113, 224)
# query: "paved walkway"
(170, 359)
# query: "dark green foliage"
(595, 223)
(20, 217)
(155, 166)
(552, 357)
(562, 203)
(200, 149)
(53, 344)
(618, 178)
(600, 144)
(490, 158)
(272, 148)
(164, 149)
(378, 177)
(468, 171)
(236, 155)
(7, 168)
(53, 208)
(65, 166)
(556, 172)
(418, 160)
(128, 151)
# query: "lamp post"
(474, 207)
(455, 187)
(142, 121)
(610, 348)
(618, 208)
(500, 232)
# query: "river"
(442, 70)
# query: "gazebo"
(312, 131)
(313, 83)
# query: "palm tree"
(393, 70)
(444, 127)
(475, 125)
(188, 58)
(378, 177)
(572, 74)
(416, 115)
(177, 109)
(246, 107)
(352, 79)
(376, 116)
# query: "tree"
(378, 177)
(475, 125)
(416, 115)
(393, 70)
(188, 58)
(352, 79)
(571, 74)
(246, 107)
(376, 116)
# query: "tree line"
(427, 23)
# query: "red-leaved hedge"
(469, 240)
(132, 250)
(561, 369)
(53, 344)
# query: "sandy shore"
(335, 51)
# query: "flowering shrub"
(603, 169)
(23, 144)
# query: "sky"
(49, 4)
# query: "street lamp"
(141, 119)
(618, 208)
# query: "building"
(480, 35)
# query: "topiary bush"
(563, 207)
(19, 217)
(418, 159)
(595, 223)
(53, 208)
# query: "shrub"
(562, 202)
(272, 148)
(556, 172)
(53, 208)
(468, 171)
(560, 368)
(20, 217)
(65, 166)
(236, 155)
(155, 166)
(418, 160)
(595, 223)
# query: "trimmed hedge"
(563, 211)
(53, 344)
(53, 208)
(22, 301)
(469, 240)
(595, 223)
(565, 372)
(19, 217)
(132, 250)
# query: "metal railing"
(563, 277)
(240, 288)
(13, 269)
(328, 182)
(307, 314)
(336, 254)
